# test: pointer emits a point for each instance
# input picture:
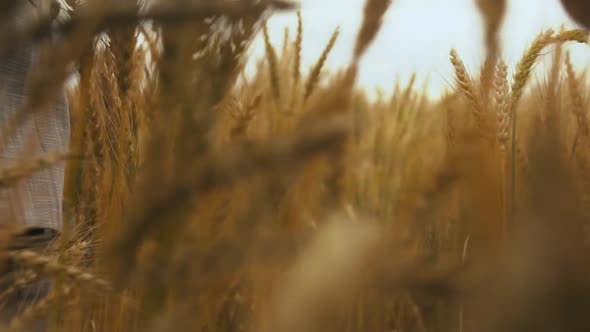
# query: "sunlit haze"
(417, 36)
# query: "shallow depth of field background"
(417, 35)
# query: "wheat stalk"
(373, 14)
(526, 63)
(10, 175)
(522, 75)
(314, 75)
(38, 309)
(467, 87)
(577, 107)
(34, 260)
(286, 39)
(297, 60)
(298, 47)
(493, 14)
(24, 280)
(502, 102)
(273, 64)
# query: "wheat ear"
(314, 75)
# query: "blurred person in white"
(34, 202)
(33, 205)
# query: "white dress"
(37, 200)
(34, 203)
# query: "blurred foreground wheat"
(200, 199)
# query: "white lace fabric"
(35, 201)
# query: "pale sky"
(417, 36)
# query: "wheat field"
(200, 199)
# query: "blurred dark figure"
(579, 10)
